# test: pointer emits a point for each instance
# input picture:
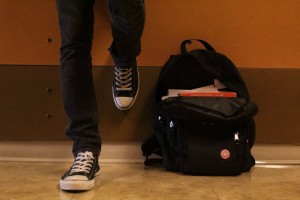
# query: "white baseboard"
(126, 152)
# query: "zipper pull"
(171, 124)
(159, 118)
(236, 137)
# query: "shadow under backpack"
(202, 135)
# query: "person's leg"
(76, 19)
(76, 25)
(127, 23)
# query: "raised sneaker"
(125, 87)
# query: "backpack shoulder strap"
(163, 73)
(204, 43)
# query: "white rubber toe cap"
(124, 103)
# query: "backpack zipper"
(236, 137)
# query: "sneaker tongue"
(82, 164)
(86, 156)
(123, 79)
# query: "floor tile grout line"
(130, 161)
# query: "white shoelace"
(83, 162)
(123, 79)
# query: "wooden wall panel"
(25, 105)
(25, 28)
(254, 33)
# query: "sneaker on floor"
(125, 87)
(81, 176)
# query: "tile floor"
(39, 181)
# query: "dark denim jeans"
(76, 21)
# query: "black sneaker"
(81, 176)
(125, 87)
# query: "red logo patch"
(225, 154)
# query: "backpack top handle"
(205, 44)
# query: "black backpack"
(202, 135)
